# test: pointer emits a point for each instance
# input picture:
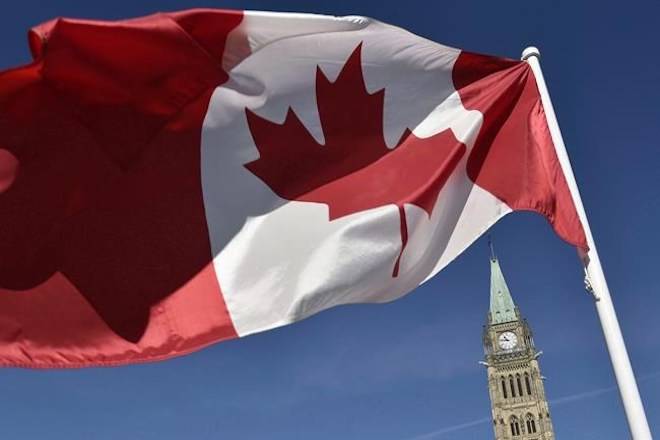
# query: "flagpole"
(594, 276)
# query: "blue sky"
(408, 370)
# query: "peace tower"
(519, 407)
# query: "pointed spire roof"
(502, 307)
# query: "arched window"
(520, 388)
(504, 387)
(527, 384)
(513, 387)
(531, 424)
(515, 426)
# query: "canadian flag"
(175, 180)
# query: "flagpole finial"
(530, 51)
(492, 248)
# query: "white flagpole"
(594, 276)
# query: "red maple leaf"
(354, 170)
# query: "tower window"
(531, 424)
(515, 426)
(504, 388)
(513, 387)
(529, 388)
(520, 388)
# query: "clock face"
(507, 340)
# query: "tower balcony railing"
(510, 354)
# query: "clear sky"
(408, 370)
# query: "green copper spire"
(502, 308)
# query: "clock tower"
(519, 407)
